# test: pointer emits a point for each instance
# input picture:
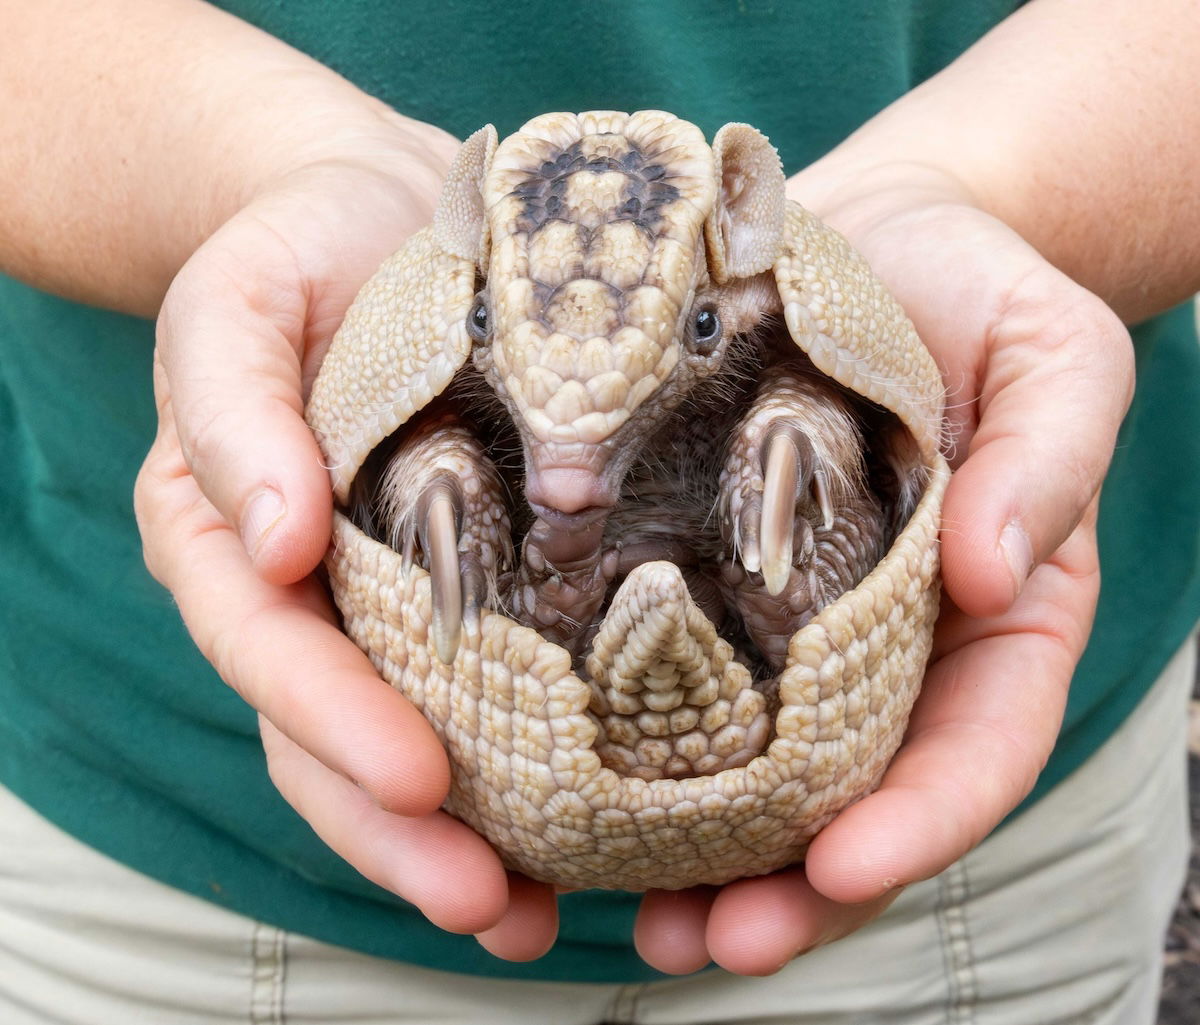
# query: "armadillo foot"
(796, 454)
(440, 502)
(793, 483)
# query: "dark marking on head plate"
(646, 192)
(633, 161)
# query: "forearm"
(1073, 122)
(132, 129)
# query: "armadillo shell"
(511, 713)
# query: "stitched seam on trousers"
(622, 1009)
(953, 893)
(267, 965)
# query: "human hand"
(234, 506)
(1038, 373)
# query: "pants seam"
(623, 1008)
(954, 893)
(267, 969)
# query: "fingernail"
(1018, 553)
(264, 511)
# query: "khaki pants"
(1057, 918)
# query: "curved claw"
(746, 541)
(820, 486)
(785, 450)
(438, 512)
(778, 511)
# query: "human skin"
(974, 198)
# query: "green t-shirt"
(114, 727)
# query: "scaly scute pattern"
(854, 330)
(401, 342)
(669, 697)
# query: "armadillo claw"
(438, 510)
(788, 455)
(771, 504)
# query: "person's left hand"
(1038, 374)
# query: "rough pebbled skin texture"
(522, 729)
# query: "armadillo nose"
(568, 490)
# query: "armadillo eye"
(477, 320)
(706, 331)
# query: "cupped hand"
(1039, 373)
(234, 506)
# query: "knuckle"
(209, 430)
(1082, 472)
(149, 510)
(279, 754)
(233, 651)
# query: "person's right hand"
(184, 164)
(234, 506)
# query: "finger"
(433, 861)
(1058, 380)
(985, 723)
(757, 926)
(279, 647)
(529, 925)
(670, 927)
(231, 340)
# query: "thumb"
(1057, 380)
(231, 350)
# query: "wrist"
(1084, 150)
(166, 117)
(306, 134)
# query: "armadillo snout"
(570, 482)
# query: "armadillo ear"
(460, 221)
(745, 229)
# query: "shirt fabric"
(111, 723)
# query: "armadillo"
(638, 475)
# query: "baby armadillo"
(639, 475)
